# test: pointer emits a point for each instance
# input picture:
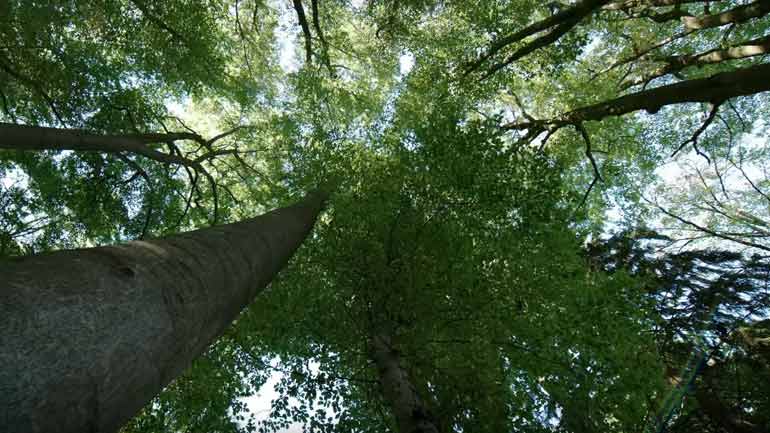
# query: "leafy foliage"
(475, 152)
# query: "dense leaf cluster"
(490, 164)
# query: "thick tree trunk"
(411, 413)
(89, 336)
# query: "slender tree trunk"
(715, 89)
(26, 137)
(737, 15)
(89, 336)
(411, 413)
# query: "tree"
(89, 336)
(412, 310)
(713, 303)
(111, 69)
(480, 149)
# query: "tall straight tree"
(89, 336)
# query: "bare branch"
(559, 23)
(34, 85)
(244, 38)
(753, 185)
(24, 137)
(721, 181)
(589, 154)
(305, 30)
(160, 23)
(148, 182)
(588, 192)
(630, 4)
(673, 14)
(193, 177)
(225, 134)
(541, 42)
(694, 139)
(324, 46)
(521, 107)
(727, 237)
(642, 53)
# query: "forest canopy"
(539, 217)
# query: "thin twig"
(694, 138)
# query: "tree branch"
(736, 15)
(324, 46)
(160, 23)
(141, 172)
(707, 230)
(674, 64)
(694, 139)
(26, 138)
(305, 30)
(560, 23)
(630, 4)
(36, 87)
(589, 154)
(715, 89)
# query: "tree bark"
(25, 137)
(714, 89)
(411, 413)
(89, 336)
(630, 4)
(737, 15)
(559, 23)
(754, 47)
(305, 30)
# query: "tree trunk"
(89, 336)
(411, 413)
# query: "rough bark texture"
(89, 336)
(411, 413)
